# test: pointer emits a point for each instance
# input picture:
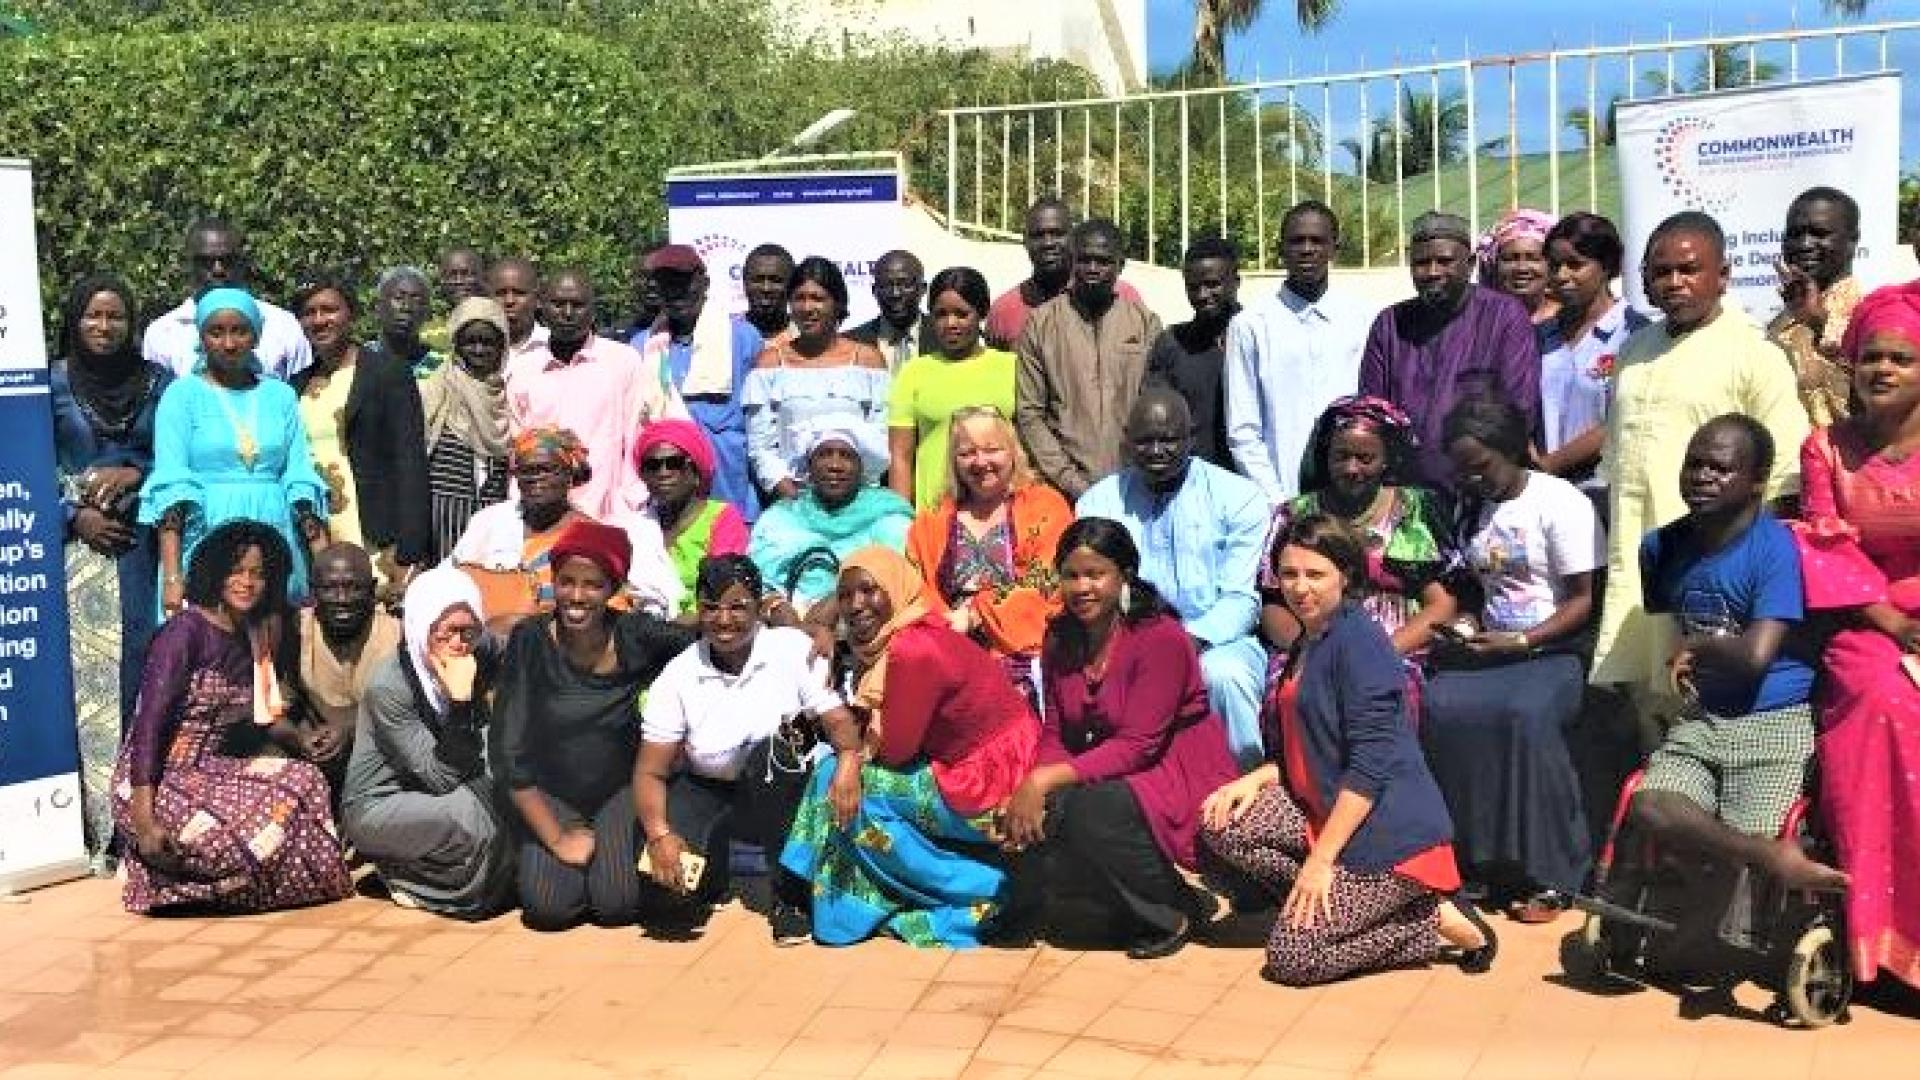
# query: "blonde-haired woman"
(986, 549)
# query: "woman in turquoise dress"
(798, 543)
(229, 444)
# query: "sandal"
(1539, 909)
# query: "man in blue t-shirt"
(1728, 772)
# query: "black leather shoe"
(1477, 961)
(1154, 948)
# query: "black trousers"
(758, 807)
(1098, 844)
(555, 896)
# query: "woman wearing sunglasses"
(725, 736)
(674, 503)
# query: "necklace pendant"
(247, 449)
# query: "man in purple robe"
(1453, 340)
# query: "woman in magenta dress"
(1860, 551)
(1128, 748)
(215, 817)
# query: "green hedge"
(365, 145)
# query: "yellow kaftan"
(1663, 391)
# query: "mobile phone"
(1450, 632)
(692, 867)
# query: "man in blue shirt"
(1729, 572)
(705, 354)
(1200, 530)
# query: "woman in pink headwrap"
(1513, 259)
(674, 463)
(1860, 552)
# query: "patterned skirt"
(902, 866)
(252, 834)
(93, 604)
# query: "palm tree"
(1214, 20)
(1723, 67)
(1594, 131)
(1417, 152)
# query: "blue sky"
(1374, 33)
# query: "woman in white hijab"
(418, 801)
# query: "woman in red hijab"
(564, 734)
(1860, 557)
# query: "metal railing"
(1378, 146)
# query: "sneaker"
(791, 925)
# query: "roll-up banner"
(40, 829)
(1742, 155)
(852, 218)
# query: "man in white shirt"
(516, 285)
(1290, 354)
(217, 256)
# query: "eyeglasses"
(467, 632)
(676, 463)
(543, 471)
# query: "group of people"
(996, 611)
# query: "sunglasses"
(676, 463)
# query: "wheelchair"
(1662, 918)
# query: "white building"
(1106, 37)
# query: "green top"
(691, 546)
(927, 391)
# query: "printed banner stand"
(40, 818)
(851, 217)
(1743, 155)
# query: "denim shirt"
(78, 447)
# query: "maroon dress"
(254, 833)
(1147, 724)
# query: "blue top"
(1200, 546)
(229, 454)
(1757, 576)
(719, 416)
(1358, 737)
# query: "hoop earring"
(1126, 597)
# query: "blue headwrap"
(226, 298)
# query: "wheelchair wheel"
(1818, 982)
(1587, 956)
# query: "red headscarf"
(684, 436)
(602, 545)
(1895, 308)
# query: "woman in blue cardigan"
(1343, 820)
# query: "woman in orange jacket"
(987, 549)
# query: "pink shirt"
(605, 395)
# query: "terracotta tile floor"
(363, 989)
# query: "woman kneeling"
(901, 843)
(418, 801)
(1128, 748)
(727, 731)
(564, 740)
(1343, 821)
